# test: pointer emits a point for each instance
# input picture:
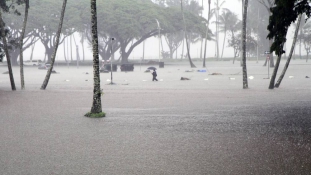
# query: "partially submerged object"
(216, 74)
(184, 78)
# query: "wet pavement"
(168, 127)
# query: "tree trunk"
(5, 45)
(245, 83)
(21, 59)
(96, 107)
(65, 50)
(47, 78)
(206, 32)
(223, 45)
(290, 54)
(187, 45)
(32, 49)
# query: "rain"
(153, 87)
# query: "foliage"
(7, 7)
(284, 12)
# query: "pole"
(257, 36)
(159, 40)
(111, 60)
(78, 56)
(268, 66)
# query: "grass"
(95, 115)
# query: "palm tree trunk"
(185, 29)
(32, 49)
(245, 83)
(223, 45)
(290, 54)
(65, 50)
(21, 59)
(5, 47)
(48, 74)
(96, 107)
(208, 17)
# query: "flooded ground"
(205, 125)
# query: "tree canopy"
(284, 13)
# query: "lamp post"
(159, 39)
(112, 58)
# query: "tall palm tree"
(226, 20)
(6, 50)
(96, 110)
(185, 29)
(48, 74)
(290, 54)
(218, 6)
(21, 62)
(206, 32)
(245, 83)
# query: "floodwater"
(205, 125)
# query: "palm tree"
(206, 32)
(21, 45)
(96, 110)
(226, 20)
(245, 83)
(217, 5)
(5, 47)
(290, 54)
(48, 74)
(185, 29)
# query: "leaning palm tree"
(6, 50)
(245, 83)
(96, 110)
(48, 74)
(21, 62)
(185, 29)
(290, 54)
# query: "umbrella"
(152, 68)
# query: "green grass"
(95, 115)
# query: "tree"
(226, 20)
(131, 22)
(207, 24)
(21, 62)
(48, 74)
(215, 11)
(290, 54)
(96, 110)
(306, 38)
(185, 29)
(6, 8)
(245, 83)
(283, 14)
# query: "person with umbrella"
(154, 75)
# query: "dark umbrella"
(152, 68)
